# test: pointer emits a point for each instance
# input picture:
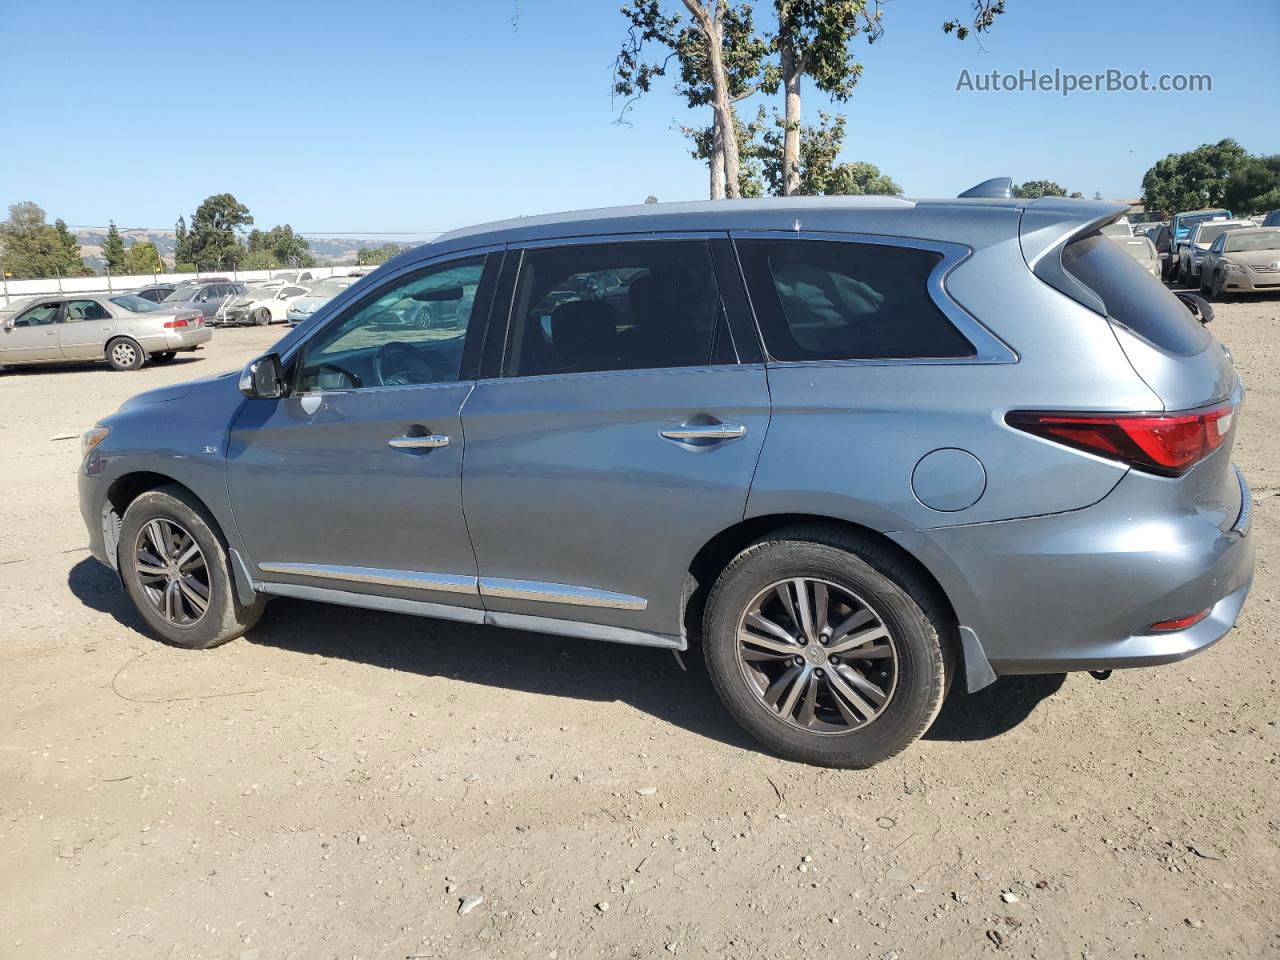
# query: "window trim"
(729, 285)
(988, 348)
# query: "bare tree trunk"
(724, 151)
(791, 73)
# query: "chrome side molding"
(559, 593)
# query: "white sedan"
(262, 305)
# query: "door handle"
(706, 431)
(429, 442)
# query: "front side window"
(614, 306)
(78, 310)
(838, 300)
(40, 316)
(410, 332)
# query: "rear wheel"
(175, 568)
(262, 316)
(820, 646)
(125, 354)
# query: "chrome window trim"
(599, 238)
(411, 579)
(988, 348)
(558, 593)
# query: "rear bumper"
(1079, 590)
(188, 339)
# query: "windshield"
(1211, 231)
(135, 304)
(329, 288)
(1248, 241)
(181, 295)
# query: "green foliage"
(373, 256)
(819, 34)
(213, 243)
(142, 258)
(182, 243)
(984, 18)
(282, 247)
(1192, 180)
(820, 172)
(30, 247)
(1254, 186)
(750, 180)
(113, 249)
(1033, 189)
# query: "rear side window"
(1133, 298)
(835, 300)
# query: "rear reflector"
(175, 324)
(1169, 444)
(1180, 623)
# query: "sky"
(418, 116)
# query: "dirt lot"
(336, 784)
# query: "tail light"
(1169, 444)
(175, 324)
(1180, 623)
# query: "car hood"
(178, 391)
(1254, 258)
(310, 302)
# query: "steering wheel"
(352, 378)
(398, 364)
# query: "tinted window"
(409, 332)
(1133, 297)
(78, 310)
(614, 306)
(831, 300)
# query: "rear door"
(617, 434)
(33, 335)
(86, 326)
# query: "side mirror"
(1198, 305)
(262, 379)
(8, 324)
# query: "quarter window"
(616, 306)
(411, 332)
(837, 300)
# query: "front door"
(33, 335)
(621, 437)
(85, 329)
(353, 482)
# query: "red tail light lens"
(1169, 444)
(175, 324)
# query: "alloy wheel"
(124, 354)
(172, 571)
(817, 655)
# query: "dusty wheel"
(262, 316)
(163, 357)
(125, 354)
(820, 646)
(175, 569)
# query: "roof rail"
(995, 187)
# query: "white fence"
(17, 289)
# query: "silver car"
(850, 448)
(124, 330)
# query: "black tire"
(262, 317)
(225, 618)
(125, 354)
(907, 606)
(163, 357)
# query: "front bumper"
(1078, 591)
(1252, 282)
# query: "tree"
(1034, 189)
(1192, 180)
(373, 256)
(720, 59)
(142, 258)
(30, 247)
(182, 244)
(113, 249)
(284, 247)
(817, 171)
(1254, 186)
(213, 242)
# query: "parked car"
(263, 305)
(1182, 223)
(154, 292)
(1143, 251)
(767, 427)
(1197, 244)
(304, 307)
(122, 329)
(1162, 237)
(294, 276)
(1272, 219)
(207, 296)
(1242, 261)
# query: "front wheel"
(175, 569)
(262, 316)
(820, 646)
(125, 354)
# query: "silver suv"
(853, 447)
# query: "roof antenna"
(1001, 187)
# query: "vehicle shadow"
(39, 369)
(648, 679)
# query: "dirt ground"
(337, 783)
